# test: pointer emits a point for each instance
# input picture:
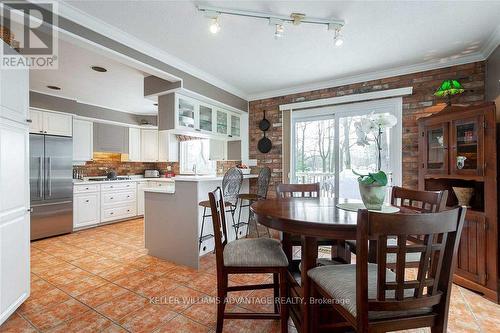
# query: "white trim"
(86, 20)
(492, 43)
(348, 98)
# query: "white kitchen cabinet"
(14, 86)
(134, 144)
(14, 192)
(140, 196)
(187, 110)
(221, 122)
(36, 124)
(51, 123)
(218, 150)
(118, 201)
(83, 140)
(149, 145)
(235, 125)
(168, 147)
(86, 209)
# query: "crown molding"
(78, 16)
(492, 43)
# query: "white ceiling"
(245, 58)
(120, 88)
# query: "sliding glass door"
(325, 147)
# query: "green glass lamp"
(449, 88)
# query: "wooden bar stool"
(262, 187)
(231, 185)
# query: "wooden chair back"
(216, 199)
(421, 201)
(297, 190)
(432, 287)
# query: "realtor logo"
(28, 33)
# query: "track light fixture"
(213, 13)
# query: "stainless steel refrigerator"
(51, 185)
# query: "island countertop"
(187, 178)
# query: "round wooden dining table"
(309, 218)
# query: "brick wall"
(472, 77)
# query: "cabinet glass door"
(467, 140)
(437, 149)
(186, 113)
(235, 125)
(205, 118)
(221, 122)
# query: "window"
(194, 157)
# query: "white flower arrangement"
(371, 128)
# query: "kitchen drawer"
(117, 186)
(118, 197)
(116, 213)
(86, 209)
(85, 188)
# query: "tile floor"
(101, 280)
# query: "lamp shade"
(449, 88)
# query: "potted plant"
(373, 186)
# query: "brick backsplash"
(472, 77)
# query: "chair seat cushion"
(254, 252)
(412, 257)
(339, 281)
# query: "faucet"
(194, 169)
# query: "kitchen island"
(172, 221)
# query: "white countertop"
(206, 178)
(133, 179)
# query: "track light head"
(279, 27)
(338, 39)
(214, 25)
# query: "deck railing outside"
(325, 179)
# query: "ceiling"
(245, 58)
(120, 88)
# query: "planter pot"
(372, 195)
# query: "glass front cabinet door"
(206, 118)
(186, 112)
(222, 127)
(235, 125)
(467, 146)
(436, 157)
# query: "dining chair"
(411, 201)
(247, 256)
(231, 185)
(371, 297)
(262, 189)
(298, 190)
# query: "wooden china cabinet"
(457, 148)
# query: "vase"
(463, 194)
(373, 196)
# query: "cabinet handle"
(197, 129)
(29, 121)
(128, 196)
(111, 198)
(45, 132)
(128, 210)
(41, 131)
(111, 213)
(86, 188)
(86, 201)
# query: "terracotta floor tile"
(95, 263)
(183, 297)
(57, 314)
(118, 272)
(159, 288)
(119, 307)
(89, 322)
(101, 294)
(251, 326)
(182, 274)
(147, 319)
(137, 282)
(206, 312)
(181, 324)
(38, 302)
(206, 283)
(16, 324)
(76, 288)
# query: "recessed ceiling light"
(99, 69)
(54, 87)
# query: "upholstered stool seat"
(254, 252)
(339, 281)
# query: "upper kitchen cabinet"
(51, 123)
(149, 145)
(83, 140)
(188, 116)
(14, 87)
(134, 144)
(168, 147)
(111, 138)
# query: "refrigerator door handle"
(49, 176)
(40, 177)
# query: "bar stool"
(231, 185)
(262, 187)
